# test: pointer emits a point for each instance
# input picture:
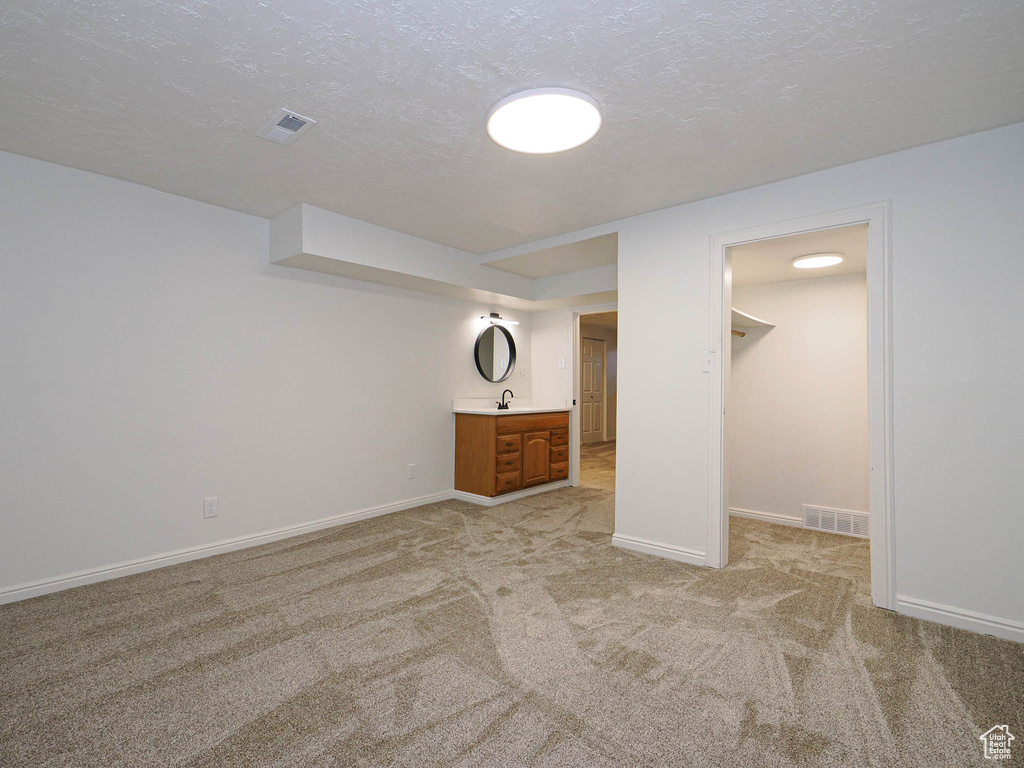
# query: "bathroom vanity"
(499, 452)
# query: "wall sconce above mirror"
(497, 319)
(495, 353)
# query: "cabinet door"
(536, 457)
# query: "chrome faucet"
(503, 406)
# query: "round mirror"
(495, 353)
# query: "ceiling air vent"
(286, 126)
(836, 521)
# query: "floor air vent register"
(841, 521)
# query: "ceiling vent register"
(836, 521)
(286, 126)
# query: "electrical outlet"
(211, 507)
(412, 471)
(561, 362)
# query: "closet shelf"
(743, 320)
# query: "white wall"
(957, 230)
(552, 355)
(958, 367)
(152, 357)
(609, 336)
(797, 418)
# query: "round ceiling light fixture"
(542, 121)
(817, 260)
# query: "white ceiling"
(699, 98)
(771, 261)
(562, 259)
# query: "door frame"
(880, 431)
(573, 391)
(604, 385)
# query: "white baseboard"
(681, 554)
(958, 617)
(767, 517)
(493, 501)
(67, 581)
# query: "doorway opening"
(796, 425)
(777, 439)
(595, 392)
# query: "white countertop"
(493, 410)
(490, 407)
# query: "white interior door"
(592, 391)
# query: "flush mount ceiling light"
(817, 260)
(497, 319)
(543, 121)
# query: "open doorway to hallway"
(597, 346)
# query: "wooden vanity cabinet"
(503, 453)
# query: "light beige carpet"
(597, 465)
(452, 635)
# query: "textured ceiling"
(699, 98)
(771, 261)
(600, 251)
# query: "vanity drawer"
(559, 471)
(509, 443)
(559, 453)
(508, 425)
(559, 437)
(507, 482)
(509, 462)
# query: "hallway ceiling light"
(817, 260)
(543, 121)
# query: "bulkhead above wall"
(305, 237)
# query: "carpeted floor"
(597, 465)
(453, 635)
